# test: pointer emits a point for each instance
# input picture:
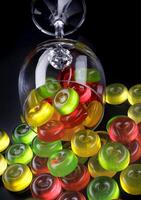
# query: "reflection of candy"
(135, 94)
(69, 133)
(93, 75)
(95, 112)
(62, 163)
(103, 188)
(75, 118)
(3, 164)
(104, 137)
(24, 134)
(17, 177)
(39, 165)
(85, 143)
(50, 88)
(19, 153)
(123, 129)
(130, 179)
(45, 149)
(77, 180)
(96, 170)
(66, 101)
(71, 196)
(134, 112)
(116, 93)
(134, 148)
(40, 114)
(46, 187)
(51, 131)
(114, 156)
(4, 140)
(110, 121)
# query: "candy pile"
(59, 155)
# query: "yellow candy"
(134, 112)
(33, 99)
(4, 140)
(85, 143)
(95, 113)
(134, 95)
(3, 164)
(40, 114)
(17, 177)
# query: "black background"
(111, 29)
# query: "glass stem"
(59, 29)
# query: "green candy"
(93, 75)
(62, 163)
(103, 188)
(45, 149)
(19, 153)
(24, 134)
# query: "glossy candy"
(134, 148)
(17, 177)
(62, 163)
(85, 143)
(116, 93)
(123, 129)
(24, 134)
(93, 75)
(71, 196)
(4, 140)
(33, 99)
(77, 180)
(95, 113)
(97, 170)
(50, 88)
(19, 153)
(45, 149)
(66, 76)
(39, 115)
(51, 131)
(39, 165)
(139, 133)
(114, 156)
(134, 112)
(75, 118)
(103, 188)
(46, 187)
(66, 101)
(130, 179)
(135, 94)
(3, 164)
(110, 121)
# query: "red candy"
(46, 187)
(135, 150)
(71, 196)
(77, 180)
(123, 130)
(39, 165)
(75, 118)
(66, 76)
(97, 91)
(139, 133)
(51, 131)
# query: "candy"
(46, 187)
(110, 121)
(85, 143)
(95, 113)
(62, 163)
(134, 112)
(130, 179)
(139, 133)
(116, 93)
(3, 164)
(77, 180)
(123, 129)
(51, 131)
(24, 134)
(93, 75)
(17, 177)
(39, 165)
(71, 196)
(103, 188)
(134, 95)
(134, 148)
(114, 156)
(75, 118)
(96, 170)
(33, 99)
(104, 137)
(50, 88)
(4, 140)
(66, 101)
(19, 153)
(45, 149)
(39, 115)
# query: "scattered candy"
(71, 196)
(134, 148)
(134, 112)
(135, 94)
(39, 165)
(3, 164)
(4, 140)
